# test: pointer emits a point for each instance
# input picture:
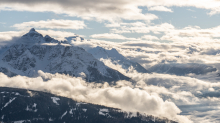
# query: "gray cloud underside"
(105, 9)
(87, 9)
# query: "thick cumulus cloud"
(106, 9)
(120, 96)
(52, 24)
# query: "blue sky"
(94, 16)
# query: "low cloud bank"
(122, 96)
(180, 98)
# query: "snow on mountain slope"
(116, 58)
(33, 52)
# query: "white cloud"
(5, 36)
(111, 36)
(112, 25)
(149, 37)
(214, 11)
(134, 24)
(159, 8)
(52, 24)
(108, 36)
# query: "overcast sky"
(114, 20)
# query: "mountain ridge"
(33, 52)
(116, 58)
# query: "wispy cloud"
(52, 24)
(2, 23)
(111, 36)
(160, 8)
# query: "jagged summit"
(32, 30)
(33, 37)
(47, 38)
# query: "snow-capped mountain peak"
(32, 30)
(33, 33)
(34, 37)
(32, 53)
